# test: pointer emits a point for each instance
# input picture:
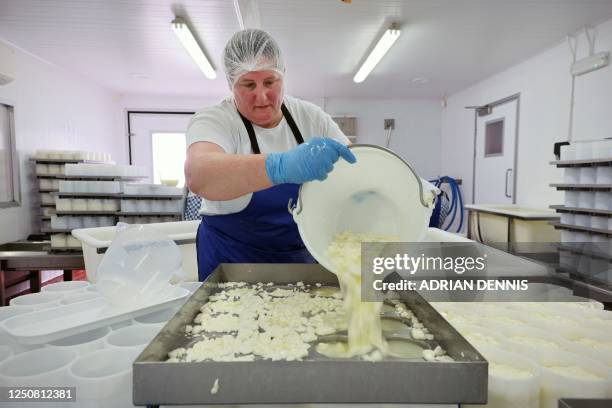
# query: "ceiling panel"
(129, 47)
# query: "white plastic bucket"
(93, 239)
(104, 378)
(83, 343)
(379, 194)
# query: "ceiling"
(128, 45)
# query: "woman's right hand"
(311, 160)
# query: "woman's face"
(259, 96)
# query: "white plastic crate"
(94, 238)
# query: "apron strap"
(253, 139)
(296, 132)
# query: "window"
(168, 157)
(494, 138)
(10, 188)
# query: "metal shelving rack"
(45, 216)
(117, 215)
(588, 263)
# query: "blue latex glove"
(309, 161)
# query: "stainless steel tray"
(317, 379)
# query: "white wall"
(416, 136)
(125, 103)
(53, 110)
(544, 84)
(417, 128)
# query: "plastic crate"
(93, 239)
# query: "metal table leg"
(2, 289)
(469, 224)
(35, 281)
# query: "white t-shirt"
(221, 124)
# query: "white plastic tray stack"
(67, 336)
(150, 189)
(104, 170)
(72, 155)
(150, 203)
(88, 186)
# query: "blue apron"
(264, 232)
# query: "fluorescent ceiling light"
(239, 14)
(382, 46)
(247, 13)
(182, 31)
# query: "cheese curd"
(364, 329)
(365, 333)
(242, 323)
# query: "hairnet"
(251, 50)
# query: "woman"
(248, 155)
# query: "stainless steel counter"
(33, 258)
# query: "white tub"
(556, 384)
(104, 378)
(507, 390)
(95, 238)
